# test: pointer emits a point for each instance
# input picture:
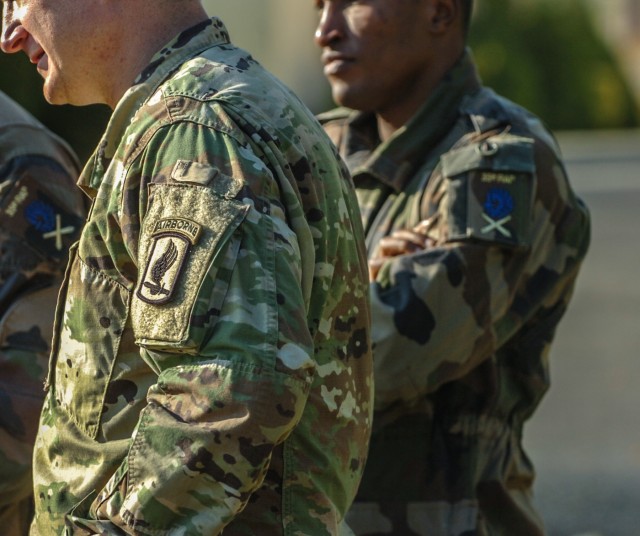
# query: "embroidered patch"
(37, 218)
(42, 216)
(490, 191)
(173, 238)
(498, 207)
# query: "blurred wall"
(279, 34)
(619, 24)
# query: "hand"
(401, 242)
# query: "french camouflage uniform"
(41, 213)
(461, 329)
(211, 364)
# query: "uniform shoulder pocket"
(184, 238)
(490, 189)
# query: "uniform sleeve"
(32, 188)
(220, 317)
(25, 332)
(510, 236)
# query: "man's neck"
(394, 117)
(143, 41)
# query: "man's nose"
(328, 28)
(13, 33)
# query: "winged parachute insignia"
(160, 268)
(173, 239)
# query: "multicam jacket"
(41, 213)
(462, 329)
(211, 363)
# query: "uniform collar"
(394, 160)
(188, 43)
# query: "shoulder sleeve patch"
(175, 255)
(490, 187)
(172, 239)
(35, 217)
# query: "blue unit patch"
(498, 203)
(498, 208)
(41, 215)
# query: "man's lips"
(37, 57)
(335, 63)
(42, 62)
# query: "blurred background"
(575, 63)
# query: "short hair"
(467, 8)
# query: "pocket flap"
(498, 153)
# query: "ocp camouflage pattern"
(211, 366)
(41, 213)
(461, 330)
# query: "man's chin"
(344, 96)
(52, 94)
(54, 101)
(340, 93)
(59, 98)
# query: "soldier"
(41, 213)
(211, 363)
(474, 239)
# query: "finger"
(391, 246)
(424, 226)
(374, 268)
(412, 236)
(400, 243)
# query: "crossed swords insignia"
(58, 232)
(498, 225)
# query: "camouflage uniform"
(40, 214)
(462, 329)
(211, 363)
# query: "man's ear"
(443, 14)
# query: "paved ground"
(585, 438)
